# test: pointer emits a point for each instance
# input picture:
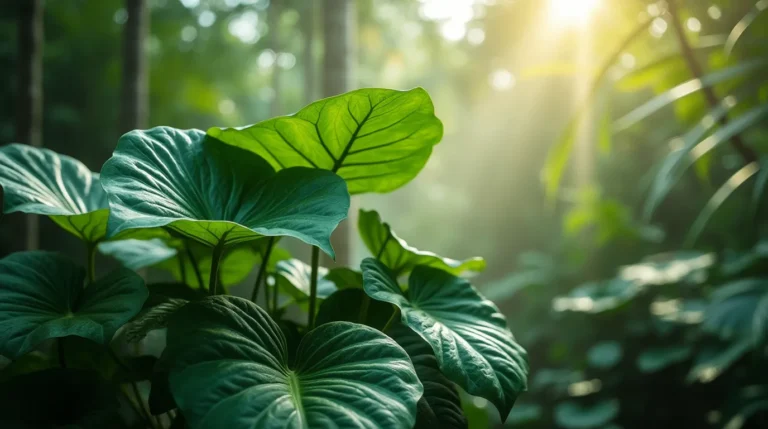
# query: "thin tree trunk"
(273, 23)
(308, 30)
(339, 34)
(29, 108)
(134, 107)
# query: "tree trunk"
(29, 108)
(134, 107)
(308, 31)
(273, 23)
(339, 34)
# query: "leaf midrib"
(295, 387)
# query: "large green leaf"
(398, 256)
(440, 407)
(42, 297)
(229, 369)
(40, 181)
(215, 193)
(376, 139)
(467, 333)
(353, 305)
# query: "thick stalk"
(274, 298)
(142, 412)
(213, 281)
(747, 154)
(262, 270)
(195, 267)
(313, 287)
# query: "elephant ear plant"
(385, 346)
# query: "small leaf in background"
(741, 27)
(398, 256)
(575, 415)
(376, 139)
(712, 361)
(229, 363)
(40, 181)
(605, 354)
(216, 193)
(154, 316)
(483, 357)
(43, 297)
(655, 359)
(294, 277)
(138, 254)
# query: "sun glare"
(572, 12)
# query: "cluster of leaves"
(675, 341)
(208, 207)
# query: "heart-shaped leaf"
(294, 277)
(42, 297)
(229, 369)
(467, 333)
(398, 256)
(40, 181)
(376, 139)
(440, 407)
(217, 194)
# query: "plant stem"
(182, 269)
(213, 281)
(195, 267)
(60, 351)
(395, 315)
(274, 298)
(142, 412)
(91, 263)
(747, 154)
(262, 270)
(313, 287)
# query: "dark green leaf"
(398, 256)
(214, 193)
(467, 333)
(440, 407)
(376, 139)
(353, 305)
(57, 398)
(43, 297)
(713, 361)
(40, 181)
(160, 397)
(229, 369)
(345, 278)
(739, 310)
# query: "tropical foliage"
(338, 348)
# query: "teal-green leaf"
(440, 407)
(658, 358)
(574, 415)
(229, 369)
(213, 192)
(376, 139)
(467, 333)
(739, 310)
(398, 256)
(42, 297)
(40, 181)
